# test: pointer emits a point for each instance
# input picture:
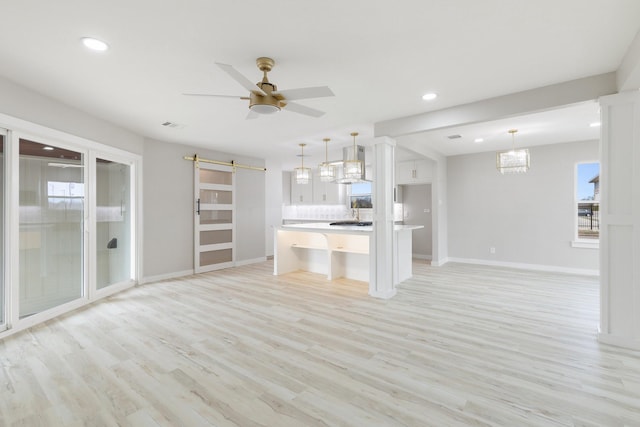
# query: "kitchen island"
(338, 250)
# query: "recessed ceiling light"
(595, 124)
(429, 96)
(47, 148)
(478, 140)
(95, 44)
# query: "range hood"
(347, 154)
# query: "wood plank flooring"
(459, 345)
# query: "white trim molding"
(524, 266)
(619, 341)
(585, 244)
(251, 261)
(166, 276)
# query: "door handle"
(198, 206)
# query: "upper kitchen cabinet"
(327, 193)
(414, 172)
(301, 194)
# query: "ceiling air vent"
(454, 136)
(172, 125)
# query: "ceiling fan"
(264, 96)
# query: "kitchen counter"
(348, 229)
(337, 250)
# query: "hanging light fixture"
(512, 161)
(302, 173)
(327, 170)
(353, 168)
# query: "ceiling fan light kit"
(266, 102)
(264, 96)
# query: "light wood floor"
(458, 346)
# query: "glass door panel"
(51, 233)
(216, 197)
(2, 181)
(113, 223)
(214, 216)
(212, 176)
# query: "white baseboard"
(619, 341)
(166, 276)
(420, 256)
(176, 274)
(439, 262)
(524, 266)
(250, 261)
(383, 295)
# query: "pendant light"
(302, 173)
(513, 161)
(327, 170)
(353, 168)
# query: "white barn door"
(214, 221)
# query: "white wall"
(22, 103)
(528, 218)
(169, 206)
(416, 199)
(273, 201)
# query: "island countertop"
(323, 227)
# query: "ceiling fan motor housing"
(265, 104)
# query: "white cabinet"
(286, 188)
(327, 193)
(414, 172)
(315, 192)
(301, 194)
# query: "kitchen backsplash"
(322, 212)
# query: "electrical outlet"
(492, 250)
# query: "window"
(588, 201)
(361, 195)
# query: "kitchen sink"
(356, 223)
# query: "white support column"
(381, 243)
(620, 220)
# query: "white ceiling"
(377, 56)
(571, 123)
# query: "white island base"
(337, 251)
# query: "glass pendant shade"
(327, 172)
(353, 168)
(302, 175)
(512, 161)
(326, 169)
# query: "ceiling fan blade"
(303, 109)
(216, 96)
(252, 115)
(245, 82)
(305, 93)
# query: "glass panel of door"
(113, 223)
(2, 239)
(213, 237)
(51, 233)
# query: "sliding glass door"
(3, 316)
(113, 223)
(51, 232)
